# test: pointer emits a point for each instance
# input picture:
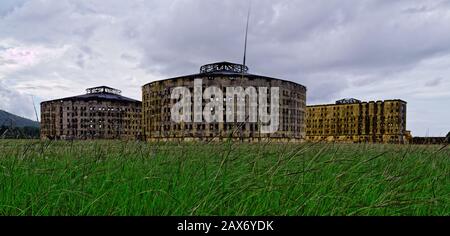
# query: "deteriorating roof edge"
(97, 96)
(217, 74)
(334, 104)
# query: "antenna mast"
(246, 32)
(35, 111)
(239, 127)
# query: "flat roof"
(347, 104)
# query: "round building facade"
(243, 105)
(101, 113)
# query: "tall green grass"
(138, 178)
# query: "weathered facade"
(101, 113)
(431, 140)
(157, 105)
(350, 120)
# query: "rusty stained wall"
(157, 122)
(93, 119)
(381, 121)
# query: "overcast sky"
(369, 50)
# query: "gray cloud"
(434, 82)
(11, 100)
(375, 49)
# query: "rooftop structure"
(223, 67)
(348, 101)
(103, 89)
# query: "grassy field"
(136, 178)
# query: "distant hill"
(7, 118)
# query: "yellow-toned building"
(350, 120)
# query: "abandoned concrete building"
(101, 113)
(157, 103)
(350, 120)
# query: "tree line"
(26, 132)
